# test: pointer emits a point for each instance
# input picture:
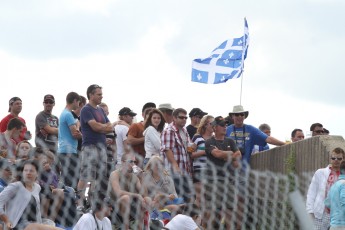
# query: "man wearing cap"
(221, 152)
(47, 125)
(167, 111)
(15, 107)
(195, 116)
(246, 136)
(126, 115)
(94, 127)
(135, 133)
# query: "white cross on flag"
(224, 63)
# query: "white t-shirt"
(152, 141)
(121, 135)
(87, 222)
(182, 222)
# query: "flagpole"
(241, 87)
(245, 44)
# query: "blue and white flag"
(224, 63)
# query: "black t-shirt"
(226, 145)
(191, 130)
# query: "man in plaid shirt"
(174, 143)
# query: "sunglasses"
(337, 158)
(318, 131)
(182, 117)
(48, 102)
(131, 161)
(239, 114)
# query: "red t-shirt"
(3, 126)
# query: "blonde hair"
(203, 123)
(154, 161)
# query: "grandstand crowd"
(86, 172)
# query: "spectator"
(335, 201)
(94, 125)
(154, 126)
(325, 131)
(47, 125)
(195, 116)
(23, 151)
(167, 111)
(316, 129)
(15, 107)
(111, 144)
(297, 135)
(189, 220)
(319, 187)
(203, 133)
(174, 143)
(76, 115)
(68, 141)
(51, 195)
(98, 217)
(126, 115)
(246, 136)
(21, 200)
(265, 128)
(5, 174)
(221, 152)
(156, 180)
(135, 134)
(126, 190)
(7, 144)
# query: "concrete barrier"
(299, 157)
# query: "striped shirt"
(200, 162)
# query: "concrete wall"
(303, 156)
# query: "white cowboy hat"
(239, 109)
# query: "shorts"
(219, 194)
(93, 163)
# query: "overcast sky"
(142, 50)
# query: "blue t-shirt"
(246, 137)
(67, 143)
(87, 114)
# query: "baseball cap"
(219, 121)
(49, 97)
(197, 112)
(127, 111)
(12, 100)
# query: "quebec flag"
(225, 62)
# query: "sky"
(141, 51)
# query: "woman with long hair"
(153, 128)
(204, 132)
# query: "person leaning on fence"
(246, 136)
(223, 156)
(335, 201)
(319, 187)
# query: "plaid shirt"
(171, 139)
